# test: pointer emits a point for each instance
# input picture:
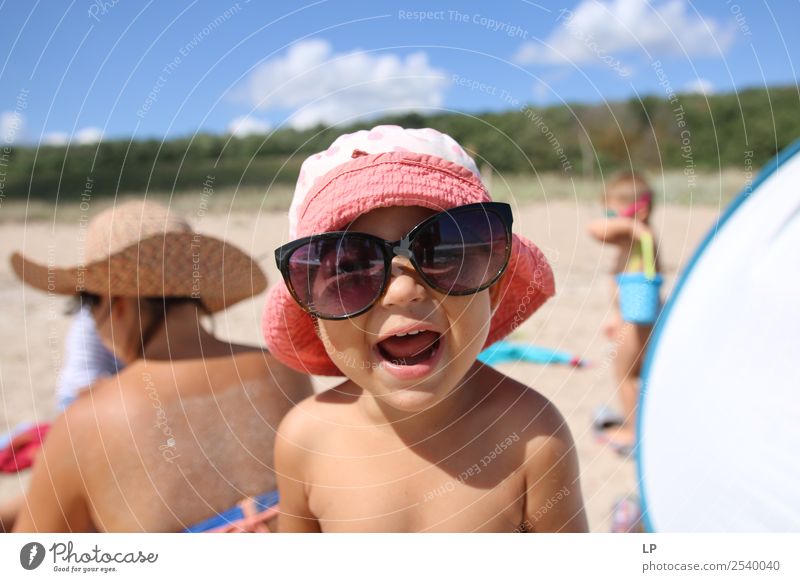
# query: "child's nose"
(404, 286)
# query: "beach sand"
(34, 323)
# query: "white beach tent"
(719, 423)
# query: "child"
(420, 436)
(628, 202)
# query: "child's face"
(445, 333)
(620, 200)
(616, 205)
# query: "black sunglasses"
(337, 275)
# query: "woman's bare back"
(176, 442)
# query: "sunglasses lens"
(335, 277)
(462, 251)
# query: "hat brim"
(399, 178)
(290, 335)
(176, 264)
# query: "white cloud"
(56, 138)
(246, 125)
(88, 135)
(322, 87)
(12, 126)
(595, 29)
(85, 136)
(702, 86)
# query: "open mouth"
(410, 349)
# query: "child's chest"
(628, 258)
(402, 491)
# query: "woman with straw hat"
(186, 429)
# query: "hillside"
(683, 132)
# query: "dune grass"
(671, 187)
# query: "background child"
(628, 202)
(420, 436)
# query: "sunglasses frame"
(400, 248)
(645, 199)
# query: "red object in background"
(18, 455)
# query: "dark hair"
(81, 300)
(158, 308)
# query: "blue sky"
(115, 69)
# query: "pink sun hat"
(391, 166)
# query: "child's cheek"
(470, 319)
(345, 344)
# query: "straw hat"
(391, 166)
(140, 249)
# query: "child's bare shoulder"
(314, 417)
(546, 438)
(520, 404)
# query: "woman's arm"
(56, 500)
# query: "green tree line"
(691, 130)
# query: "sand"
(33, 324)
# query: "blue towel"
(504, 351)
(263, 502)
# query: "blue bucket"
(639, 297)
